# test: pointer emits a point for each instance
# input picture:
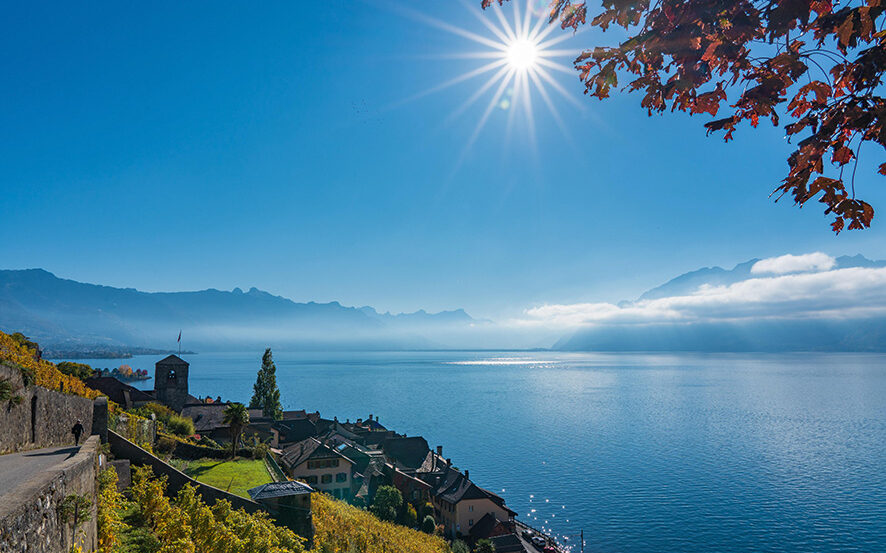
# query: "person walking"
(76, 431)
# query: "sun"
(518, 59)
(522, 54)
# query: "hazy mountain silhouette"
(859, 334)
(58, 311)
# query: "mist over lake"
(645, 452)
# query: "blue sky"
(172, 147)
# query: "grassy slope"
(234, 476)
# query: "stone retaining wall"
(43, 418)
(29, 516)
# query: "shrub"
(166, 444)
(180, 426)
(484, 546)
(408, 517)
(7, 392)
(459, 546)
(44, 373)
(428, 525)
(340, 527)
(77, 370)
(110, 507)
(206, 441)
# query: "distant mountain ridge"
(717, 276)
(867, 334)
(58, 311)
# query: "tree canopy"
(386, 503)
(266, 394)
(824, 60)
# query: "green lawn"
(233, 476)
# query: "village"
(349, 460)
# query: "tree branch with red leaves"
(824, 61)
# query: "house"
(460, 504)
(119, 392)
(489, 526)
(321, 466)
(289, 502)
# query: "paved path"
(18, 468)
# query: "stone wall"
(29, 516)
(43, 418)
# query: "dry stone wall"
(42, 418)
(30, 521)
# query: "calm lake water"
(645, 452)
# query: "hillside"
(66, 314)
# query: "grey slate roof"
(206, 416)
(279, 489)
(172, 360)
(114, 389)
(311, 448)
(508, 543)
(407, 453)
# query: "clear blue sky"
(173, 146)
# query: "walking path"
(18, 468)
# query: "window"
(470, 508)
(341, 477)
(322, 463)
(326, 479)
(470, 522)
(311, 479)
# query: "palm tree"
(237, 417)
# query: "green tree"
(428, 525)
(386, 503)
(484, 546)
(77, 370)
(266, 394)
(237, 417)
(459, 546)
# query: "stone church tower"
(171, 382)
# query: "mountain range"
(67, 314)
(774, 330)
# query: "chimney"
(440, 450)
(467, 475)
(448, 462)
(370, 417)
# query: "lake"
(644, 452)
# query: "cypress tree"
(266, 394)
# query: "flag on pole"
(179, 337)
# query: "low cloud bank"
(785, 264)
(789, 287)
